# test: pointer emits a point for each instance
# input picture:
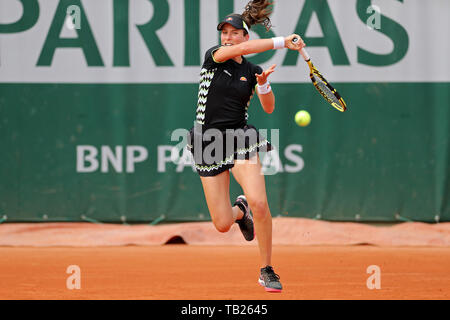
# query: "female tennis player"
(221, 140)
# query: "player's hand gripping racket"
(325, 89)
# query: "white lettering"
(73, 281)
(90, 157)
(114, 159)
(141, 156)
(374, 281)
(290, 155)
(374, 21)
(163, 158)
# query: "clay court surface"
(217, 270)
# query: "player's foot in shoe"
(270, 280)
(246, 223)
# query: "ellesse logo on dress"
(243, 79)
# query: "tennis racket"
(325, 89)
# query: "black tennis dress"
(221, 134)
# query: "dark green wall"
(385, 159)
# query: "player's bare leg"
(248, 174)
(217, 194)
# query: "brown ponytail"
(257, 12)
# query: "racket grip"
(303, 52)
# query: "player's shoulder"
(209, 53)
(209, 57)
(213, 48)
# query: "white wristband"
(265, 88)
(278, 43)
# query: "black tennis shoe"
(270, 280)
(246, 223)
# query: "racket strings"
(324, 90)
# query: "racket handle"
(305, 55)
(303, 52)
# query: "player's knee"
(222, 225)
(259, 208)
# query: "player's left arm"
(267, 99)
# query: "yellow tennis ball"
(302, 118)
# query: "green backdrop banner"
(104, 152)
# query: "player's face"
(231, 36)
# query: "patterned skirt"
(216, 150)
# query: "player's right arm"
(225, 53)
